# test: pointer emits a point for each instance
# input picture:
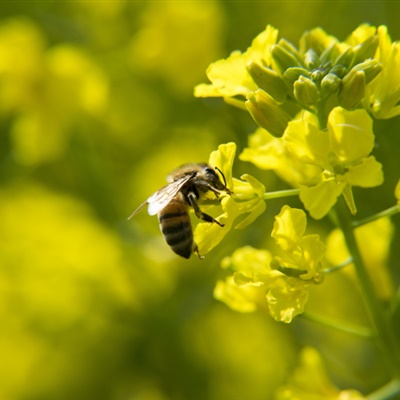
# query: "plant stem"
(391, 391)
(335, 268)
(281, 193)
(385, 213)
(385, 337)
(354, 330)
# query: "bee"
(187, 184)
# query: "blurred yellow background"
(96, 107)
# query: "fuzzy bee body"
(186, 185)
(176, 226)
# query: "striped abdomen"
(176, 226)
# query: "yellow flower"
(275, 285)
(310, 381)
(244, 291)
(383, 93)
(301, 253)
(270, 153)
(247, 198)
(341, 155)
(230, 77)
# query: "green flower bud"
(330, 83)
(311, 59)
(268, 80)
(330, 53)
(339, 70)
(305, 91)
(365, 50)
(317, 74)
(352, 90)
(346, 58)
(292, 74)
(266, 112)
(289, 47)
(283, 58)
(371, 68)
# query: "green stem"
(335, 268)
(353, 329)
(391, 391)
(385, 213)
(385, 337)
(281, 193)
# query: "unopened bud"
(292, 74)
(330, 53)
(371, 68)
(352, 90)
(283, 58)
(268, 80)
(305, 91)
(266, 112)
(365, 50)
(339, 70)
(311, 59)
(330, 83)
(346, 58)
(317, 74)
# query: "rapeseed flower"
(277, 285)
(342, 155)
(247, 198)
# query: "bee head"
(212, 177)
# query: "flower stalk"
(385, 338)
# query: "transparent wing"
(138, 209)
(162, 197)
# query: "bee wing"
(162, 197)
(138, 209)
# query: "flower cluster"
(314, 106)
(274, 80)
(276, 284)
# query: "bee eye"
(209, 170)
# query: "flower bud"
(305, 91)
(283, 58)
(346, 58)
(352, 90)
(311, 59)
(330, 53)
(268, 80)
(330, 83)
(339, 70)
(365, 50)
(292, 74)
(266, 112)
(286, 45)
(371, 68)
(317, 74)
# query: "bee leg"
(199, 214)
(196, 250)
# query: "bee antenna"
(222, 174)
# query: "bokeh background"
(96, 107)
